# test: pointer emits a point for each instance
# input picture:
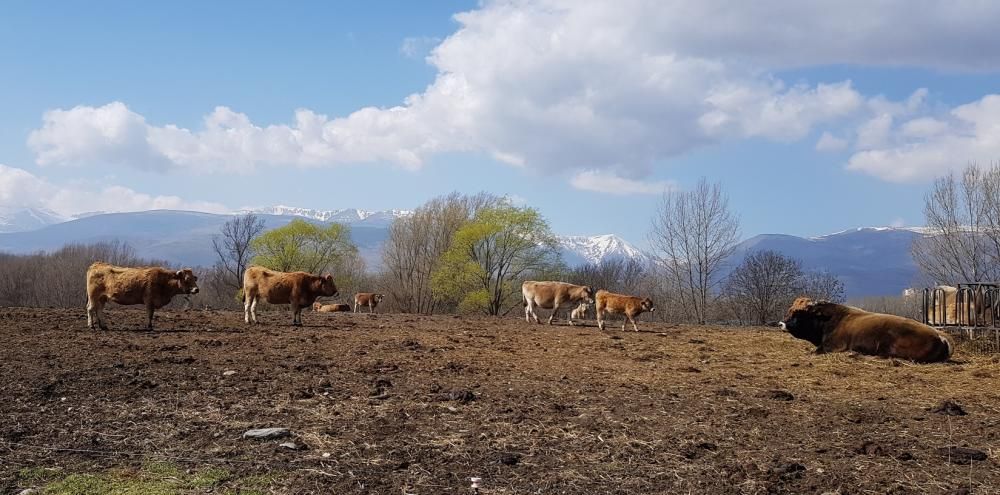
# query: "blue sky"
(813, 122)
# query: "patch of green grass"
(253, 485)
(35, 474)
(154, 478)
(209, 477)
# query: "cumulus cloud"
(829, 142)
(923, 147)
(570, 86)
(22, 189)
(608, 183)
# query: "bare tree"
(416, 243)
(822, 285)
(762, 286)
(693, 233)
(234, 250)
(961, 214)
(622, 275)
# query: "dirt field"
(412, 404)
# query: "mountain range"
(870, 261)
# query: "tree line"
(469, 254)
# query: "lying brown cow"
(367, 300)
(834, 328)
(298, 289)
(331, 308)
(630, 306)
(553, 295)
(152, 286)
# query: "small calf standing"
(331, 308)
(367, 299)
(580, 312)
(630, 306)
(154, 287)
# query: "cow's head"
(188, 282)
(324, 286)
(589, 292)
(647, 305)
(378, 297)
(317, 305)
(808, 319)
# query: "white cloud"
(418, 46)
(570, 86)
(829, 142)
(924, 147)
(608, 183)
(22, 189)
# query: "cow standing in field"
(367, 300)
(331, 308)
(153, 286)
(834, 327)
(553, 295)
(629, 306)
(298, 289)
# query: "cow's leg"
(527, 312)
(91, 313)
(296, 315)
(102, 322)
(149, 317)
(600, 318)
(253, 310)
(555, 309)
(634, 327)
(247, 302)
(356, 306)
(371, 309)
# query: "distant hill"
(869, 261)
(183, 237)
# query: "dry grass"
(383, 405)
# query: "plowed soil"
(420, 404)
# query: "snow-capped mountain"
(347, 215)
(13, 219)
(870, 261)
(578, 250)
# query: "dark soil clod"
(949, 408)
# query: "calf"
(553, 295)
(834, 327)
(367, 299)
(630, 306)
(153, 286)
(580, 312)
(330, 308)
(298, 289)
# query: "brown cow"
(299, 289)
(630, 306)
(367, 300)
(553, 295)
(152, 286)
(330, 308)
(833, 327)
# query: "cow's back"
(123, 285)
(889, 335)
